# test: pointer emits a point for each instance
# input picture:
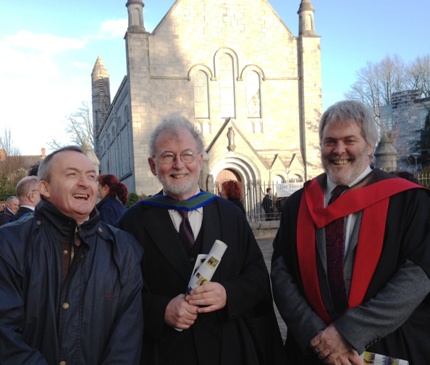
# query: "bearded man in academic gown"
(229, 320)
(374, 295)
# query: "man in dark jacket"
(70, 286)
(28, 194)
(267, 204)
(9, 210)
(229, 320)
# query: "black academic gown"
(243, 333)
(407, 237)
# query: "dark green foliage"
(7, 187)
(134, 198)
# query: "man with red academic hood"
(351, 262)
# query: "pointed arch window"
(226, 85)
(201, 95)
(253, 95)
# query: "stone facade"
(405, 118)
(237, 72)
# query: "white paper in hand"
(204, 272)
(205, 267)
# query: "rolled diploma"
(204, 273)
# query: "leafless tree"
(367, 88)
(6, 144)
(11, 165)
(418, 75)
(377, 81)
(392, 72)
(79, 128)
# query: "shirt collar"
(331, 185)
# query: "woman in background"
(114, 196)
(232, 190)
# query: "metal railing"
(424, 179)
(254, 192)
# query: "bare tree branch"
(79, 128)
(6, 143)
(377, 82)
(418, 75)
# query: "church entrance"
(226, 175)
(243, 172)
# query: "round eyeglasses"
(168, 158)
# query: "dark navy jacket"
(94, 317)
(110, 209)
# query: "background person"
(28, 195)
(232, 191)
(267, 204)
(71, 286)
(405, 175)
(353, 274)
(229, 320)
(114, 197)
(9, 210)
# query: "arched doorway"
(226, 175)
(244, 171)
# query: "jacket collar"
(47, 213)
(164, 237)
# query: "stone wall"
(201, 61)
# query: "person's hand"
(332, 349)
(179, 313)
(208, 297)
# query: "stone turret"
(139, 84)
(386, 154)
(135, 15)
(306, 18)
(100, 95)
(310, 90)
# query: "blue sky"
(48, 49)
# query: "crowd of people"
(86, 280)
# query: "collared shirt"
(352, 218)
(27, 206)
(194, 216)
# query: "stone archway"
(225, 175)
(230, 173)
(245, 171)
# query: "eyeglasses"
(168, 158)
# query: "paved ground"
(267, 249)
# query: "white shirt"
(194, 216)
(27, 206)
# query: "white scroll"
(206, 265)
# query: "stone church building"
(233, 68)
